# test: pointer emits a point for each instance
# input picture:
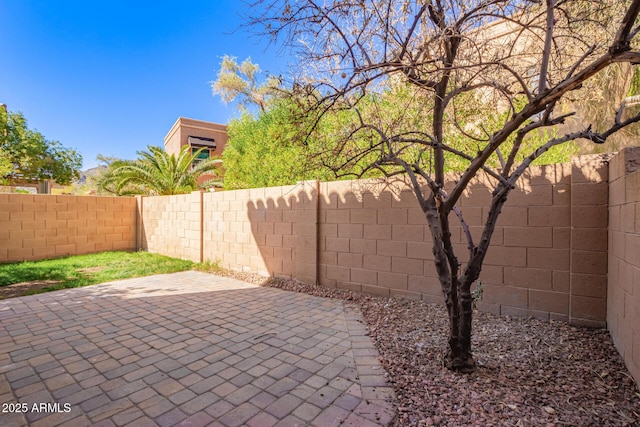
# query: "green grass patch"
(209, 266)
(83, 270)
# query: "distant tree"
(32, 156)
(265, 146)
(6, 167)
(240, 82)
(270, 146)
(269, 149)
(158, 173)
(496, 50)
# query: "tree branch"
(544, 66)
(622, 40)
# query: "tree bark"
(459, 356)
(457, 294)
(457, 289)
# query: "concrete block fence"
(43, 226)
(548, 258)
(566, 246)
(623, 286)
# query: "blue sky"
(110, 76)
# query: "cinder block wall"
(270, 231)
(589, 242)
(548, 252)
(531, 247)
(46, 226)
(171, 225)
(548, 257)
(372, 239)
(228, 236)
(623, 290)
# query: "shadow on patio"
(188, 349)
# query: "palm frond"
(156, 172)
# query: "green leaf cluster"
(271, 149)
(158, 173)
(471, 122)
(6, 167)
(398, 124)
(276, 146)
(292, 141)
(31, 155)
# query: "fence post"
(201, 226)
(139, 223)
(317, 281)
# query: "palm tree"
(158, 173)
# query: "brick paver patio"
(188, 349)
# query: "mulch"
(529, 372)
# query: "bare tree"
(522, 56)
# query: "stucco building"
(197, 134)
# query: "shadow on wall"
(372, 236)
(284, 227)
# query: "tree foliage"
(6, 167)
(31, 155)
(267, 147)
(526, 58)
(158, 173)
(270, 147)
(269, 150)
(240, 82)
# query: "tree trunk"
(459, 356)
(457, 293)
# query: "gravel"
(530, 372)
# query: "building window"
(198, 142)
(204, 154)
